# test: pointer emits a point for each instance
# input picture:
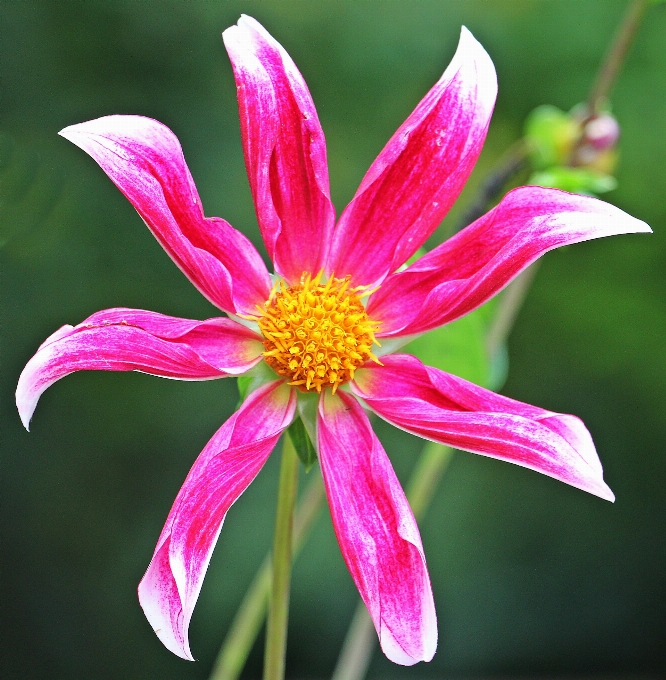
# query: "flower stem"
(278, 610)
(507, 310)
(252, 611)
(361, 640)
(617, 53)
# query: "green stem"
(250, 616)
(278, 610)
(617, 53)
(508, 307)
(361, 640)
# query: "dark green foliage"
(531, 578)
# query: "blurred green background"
(531, 577)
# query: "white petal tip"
(68, 132)
(605, 493)
(395, 653)
(468, 45)
(596, 487)
(78, 130)
(245, 22)
(24, 404)
(172, 634)
(475, 63)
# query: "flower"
(310, 338)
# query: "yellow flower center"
(317, 334)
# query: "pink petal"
(447, 409)
(144, 160)
(224, 469)
(285, 151)
(420, 172)
(135, 340)
(376, 530)
(476, 263)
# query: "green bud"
(551, 135)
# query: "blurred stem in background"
(617, 53)
(252, 611)
(360, 641)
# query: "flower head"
(316, 334)
(325, 329)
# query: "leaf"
(301, 441)
(576, 180)
(458, 347)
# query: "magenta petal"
(135, 340)
(144, 160)
(476, 263)
(447, 409)
(285, 151)
(420, 172)
(376, 530)
(224, 469)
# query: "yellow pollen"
(317, 334)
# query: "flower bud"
(602, 132)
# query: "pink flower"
(306, 336)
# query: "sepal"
(302, 443)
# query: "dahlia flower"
(318, 338)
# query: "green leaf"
(576, 180)
(301, 441)
(458, 347)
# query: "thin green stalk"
(612, 64)
(508, 307)
(357, 649)
(251, 614)
(427, 473)
(361, 640)
(278, 610)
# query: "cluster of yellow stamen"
(317, 334)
